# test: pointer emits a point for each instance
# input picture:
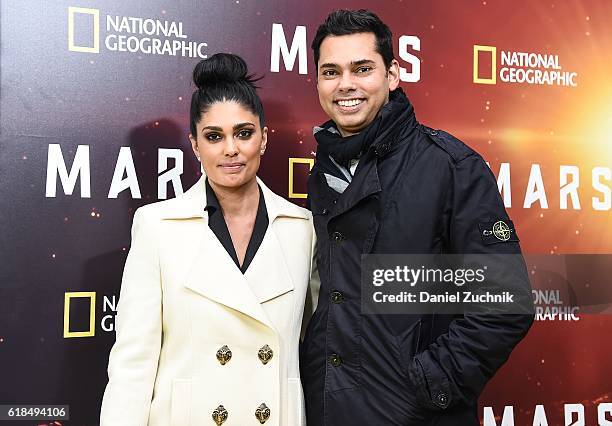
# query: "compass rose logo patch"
(499, 231)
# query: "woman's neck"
(237, 202)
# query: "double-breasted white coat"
(183, 300)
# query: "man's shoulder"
(456, 149)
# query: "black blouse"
(217, 224)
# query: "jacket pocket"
(180, 402)
(296, 413)
(408, 343)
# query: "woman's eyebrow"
(235, 127)
(240, 125)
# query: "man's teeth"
(350, 103)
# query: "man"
(384, 183)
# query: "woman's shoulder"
(189, 204)
(294, 208)
(279, 206)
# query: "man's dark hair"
(346, 22)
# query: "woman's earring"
(201, 165)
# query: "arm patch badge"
(499, 231)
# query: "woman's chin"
(232, 180)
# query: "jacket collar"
(193, 202)
(395, 115)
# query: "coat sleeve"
(457, 365)
(133, 360)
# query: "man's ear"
(393, 75)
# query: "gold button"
(220, 415)
(262, 413)
(224, 354)
(265, 354)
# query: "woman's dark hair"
(346, 22)
(223, 77)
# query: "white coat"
(183, 298)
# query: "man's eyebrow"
(353, 63)
(362, 62)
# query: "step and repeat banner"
(94, 108)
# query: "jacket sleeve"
(133, 360)
(456, 366)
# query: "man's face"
(352, 80)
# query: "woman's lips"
(232, 167)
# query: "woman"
(213, 289)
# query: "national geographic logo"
(80, 314)
(519, 68)
(292, 162)
(94, 14)
(147, 36)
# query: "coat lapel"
(268, 275)
(213, 273)
(215, 276)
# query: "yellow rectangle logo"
(292, 162)
(493, 51)
(92, 314)
(95, 13)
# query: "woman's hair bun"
(221, 68)
(220, 78)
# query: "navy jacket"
(415, 190)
